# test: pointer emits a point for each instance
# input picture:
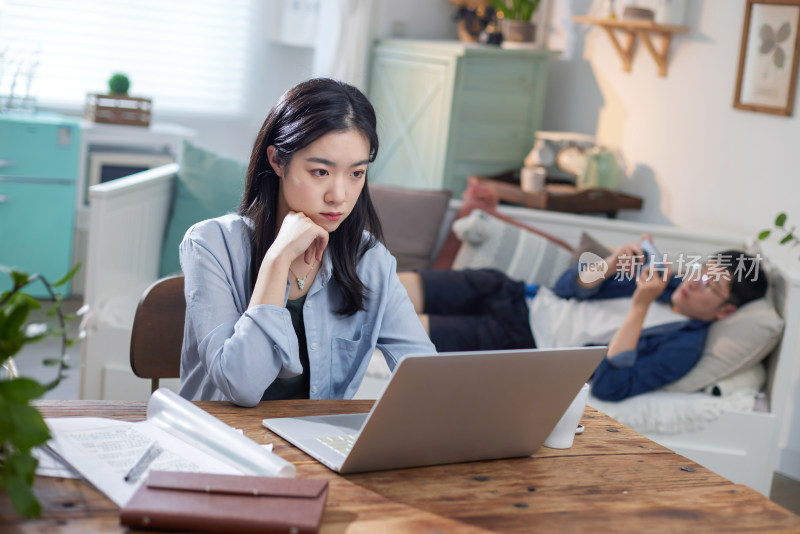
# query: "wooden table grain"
(611, 480)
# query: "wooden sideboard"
(448, 109)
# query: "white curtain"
(188, 56)
(345, 30)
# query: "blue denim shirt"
(664, 353)
(232, 353)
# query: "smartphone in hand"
(651, 254)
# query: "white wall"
(416, 19)
(698, 162)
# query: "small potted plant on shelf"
(21, 425)
(117, 106)
(119, 84)
(515, 19)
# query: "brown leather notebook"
(226, 503)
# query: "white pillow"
(489, 243)
(735, 343)
(752, 378)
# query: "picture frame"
(768, 57)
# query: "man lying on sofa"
(653, 321)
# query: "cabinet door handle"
(6, 163)
(4, 199)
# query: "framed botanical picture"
(768, 56)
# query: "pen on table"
(140, 466)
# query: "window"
(187, 55)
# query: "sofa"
(135, 221)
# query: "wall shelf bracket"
(642, 30)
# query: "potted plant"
(515, 18)
(788, 236)
(21, 425)
(118, 84)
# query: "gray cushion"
(411, 219)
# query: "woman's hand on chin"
(299, 235)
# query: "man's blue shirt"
(664, 353)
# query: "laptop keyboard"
(341, 444)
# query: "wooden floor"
(786, 492)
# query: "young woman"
(289, 297)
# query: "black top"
(296, 387)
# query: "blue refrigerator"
(38, 184)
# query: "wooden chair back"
(157, 334)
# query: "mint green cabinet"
(38, 175)
(447, 110)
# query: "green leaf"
(13, 315)
(6, 425)
(21, 390)
(67, 277)
(50, 386)
(764, 235)
(18, 475)
(780, 220)
(19, 278)
(11, 344)
(29, 430)
(786, 239)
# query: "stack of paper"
(103, 451)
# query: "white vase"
(671, 12)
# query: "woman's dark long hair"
(303, 114)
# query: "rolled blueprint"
(178, 416)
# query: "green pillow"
(208, 185)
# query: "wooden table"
(565, 198)
(611, 480)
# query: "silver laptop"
(449, 408)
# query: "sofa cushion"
(410, 219)
(208, 185)
(481, 196)
(491, 243)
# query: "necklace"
(301, 282)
